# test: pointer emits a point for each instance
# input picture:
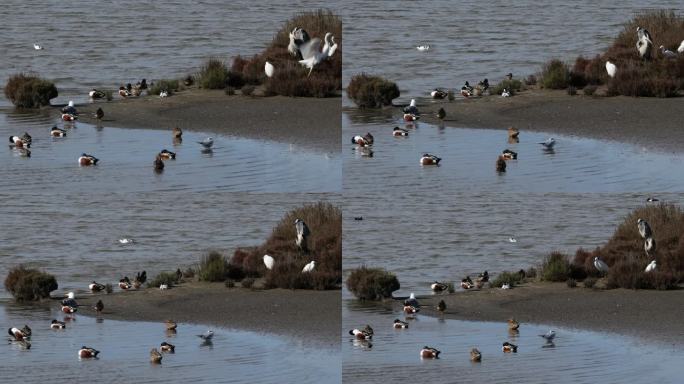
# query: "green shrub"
(29, 91)
(505, 277)
(213, 74)
(169, 86)
(168, 278)
(372, 91)
(213, 267)
(29, 284)
(555, 75)
(555, 267)
(291, 79)
(372, 283)
(531, 80)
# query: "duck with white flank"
(57, 132)
(466, 90)
(439, 287)
(360, 334)
(123, 92)
(87, 353)
(166, 347)
(20, 334)
(96, 287)
(429, 353)
(125, 283)
(398, 324)
(467, 283)
(56, 324)
(87, 160)
(508, 347)
(363, 141)
(97, 94)
(23, 141)
(439, 93)
(396, 131)
(428, 159)
(509, 154)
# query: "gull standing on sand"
(269, 69)
(309, 267)
(600, 265)
(644, 228)
(269, 261)
(611, 68)
(549, 143)
(651, 266)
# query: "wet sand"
(308, 316)
(646, 122)
(648, 314)
(312, 122)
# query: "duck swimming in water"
(57, 132)
(396, 131)
(428, 159)
(429, 353)
(87, 160)
(88, 353)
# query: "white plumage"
(600, 265)
(269, 261)
(333, 46)
(269, 69)
(423, 48)
(309, 267)
(651, 266)
(667, 53)
(611, 69)
(549, 143)
(207, 143)
(505, 93)
(681, 47)
(37, 47)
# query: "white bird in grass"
(681, 47)
(333, 46)
(269, 261)
(667, 53)
(505, 93)
(309, 267)
(644, 229)
(651, 266)
(207, 336)
(611, 68)
(207, 143)
(164, 94)
(269, 69)
(302, 233)
(649, 246)
(423, 48)
(298, 37)
(549, 336)
(37, 47)
(549, 143)
(600, 265)
(312, 54)
(126, 241)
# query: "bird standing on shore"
(644, 228)
(651, 266)
(309, 267)
(268, 262)
(303, 233)
(611, 68)
(600, 265)
(298, 37)
(644, 43)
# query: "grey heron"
(644, 228)
(600, 265)
(302, 234)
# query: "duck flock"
(363, 144)
(69, 114)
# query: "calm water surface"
(576, 356)
(233, 356)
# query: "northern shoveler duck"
(177, 132)
(68, 309)
(441, 306)
(363, 141)
(87, 352)
(410, 309)
(20, 334)
(439, 287)
(466, 90)
(96, 287)
(123, 92)
(508, 347)
(166, 347)
(439, 93)
(368, 330)
(56, 324)
(97, 94)
(484, 84)
(441, 114)
(87, 160)
(360, 334)
(429, 353)
(99, 306)
(409, 117)
(501, 164)
(57, 132)
(509, 155)
(513, 325)
(170, 325)
(467, 283)
(155, 356)
(21, 141)
(505, 93)
(99, 114)
(428, 159)
(125, 283)
(652, 200)
(475, 355)
(513, 132)
(399, 132)
(68, 117)
(412, 301)
(483, 277)
(158, 163)
(400, 324)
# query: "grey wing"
(310, 48)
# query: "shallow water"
(469, 155)
(76, 236)
(108, 43)
(126, 156)
(475, 40)
(577, 356)
(448, 236)
(233, 356)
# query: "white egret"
(681, 47)
(651, 266)
(269, 69)
(611, 68)
(269, 261)
(309, 267)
